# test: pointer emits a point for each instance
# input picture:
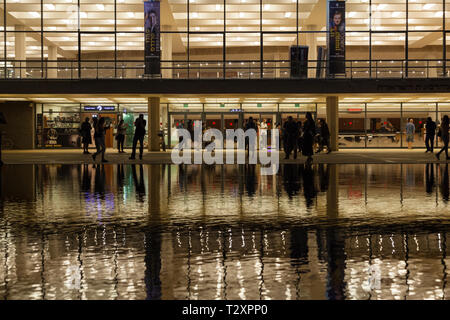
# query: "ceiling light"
(382, 6)
(438, 14)
(241, 14)
(83, 15)
(50, 6)
(35, 14)
(287, 14)
(130, 14)
(428, 6)
(395, 14)
(217, 7)
(351, 14)
(100, 6)
(266, 6)
(194, 15)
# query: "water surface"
(224, 232)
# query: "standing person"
(99, 137)
(309, 131)
(299, 136)
(430, 131)
(410, 129)
(250, 125)
(324, 136)
(120, 137)
(291, 137)
(139, 134)
(263, 131)
(444, 136)
(85, 133)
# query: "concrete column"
(52, 65)
(311, 42)
(20, 50)
(333, 121)
(153, 123)
(166, 52)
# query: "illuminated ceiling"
(423, 99)
(207, 16)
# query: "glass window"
(99, 15)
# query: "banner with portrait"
(336, 37)
(152, 37)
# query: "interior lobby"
(222, 62)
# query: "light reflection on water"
(224, 232)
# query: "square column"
(166, 52)
(52, 64)
(153, 124)
(333, 121)
(20, 51)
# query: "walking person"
(309, 131)
(444, 136)
(410, 130)
(139, 134)
(430, 132)
(85, 133)
(99, 137)
(324, 136)
(120, 137)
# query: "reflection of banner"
(152, 37)
(336, 37)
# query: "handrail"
(210, 69)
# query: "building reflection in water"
(224, 232)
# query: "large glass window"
(381, 30)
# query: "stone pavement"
(346, 156)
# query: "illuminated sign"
(355, 110)
(236, 110)
(99, 108)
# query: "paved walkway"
(387, 156)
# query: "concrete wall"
(20, 127)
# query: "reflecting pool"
(224, 232)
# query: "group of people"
(298, 137)
(430, 133)
(100, 126)
(303, 137)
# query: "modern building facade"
(222, 62)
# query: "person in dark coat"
(324, 133)
(309, 130)
(139, 134)
(249, 125)
(291, 137)
(444, 136)
(85, 133)
(430, 131)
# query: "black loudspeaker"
(299, 62)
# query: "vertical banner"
(299, 62)
(336, 37)
(152, 37)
